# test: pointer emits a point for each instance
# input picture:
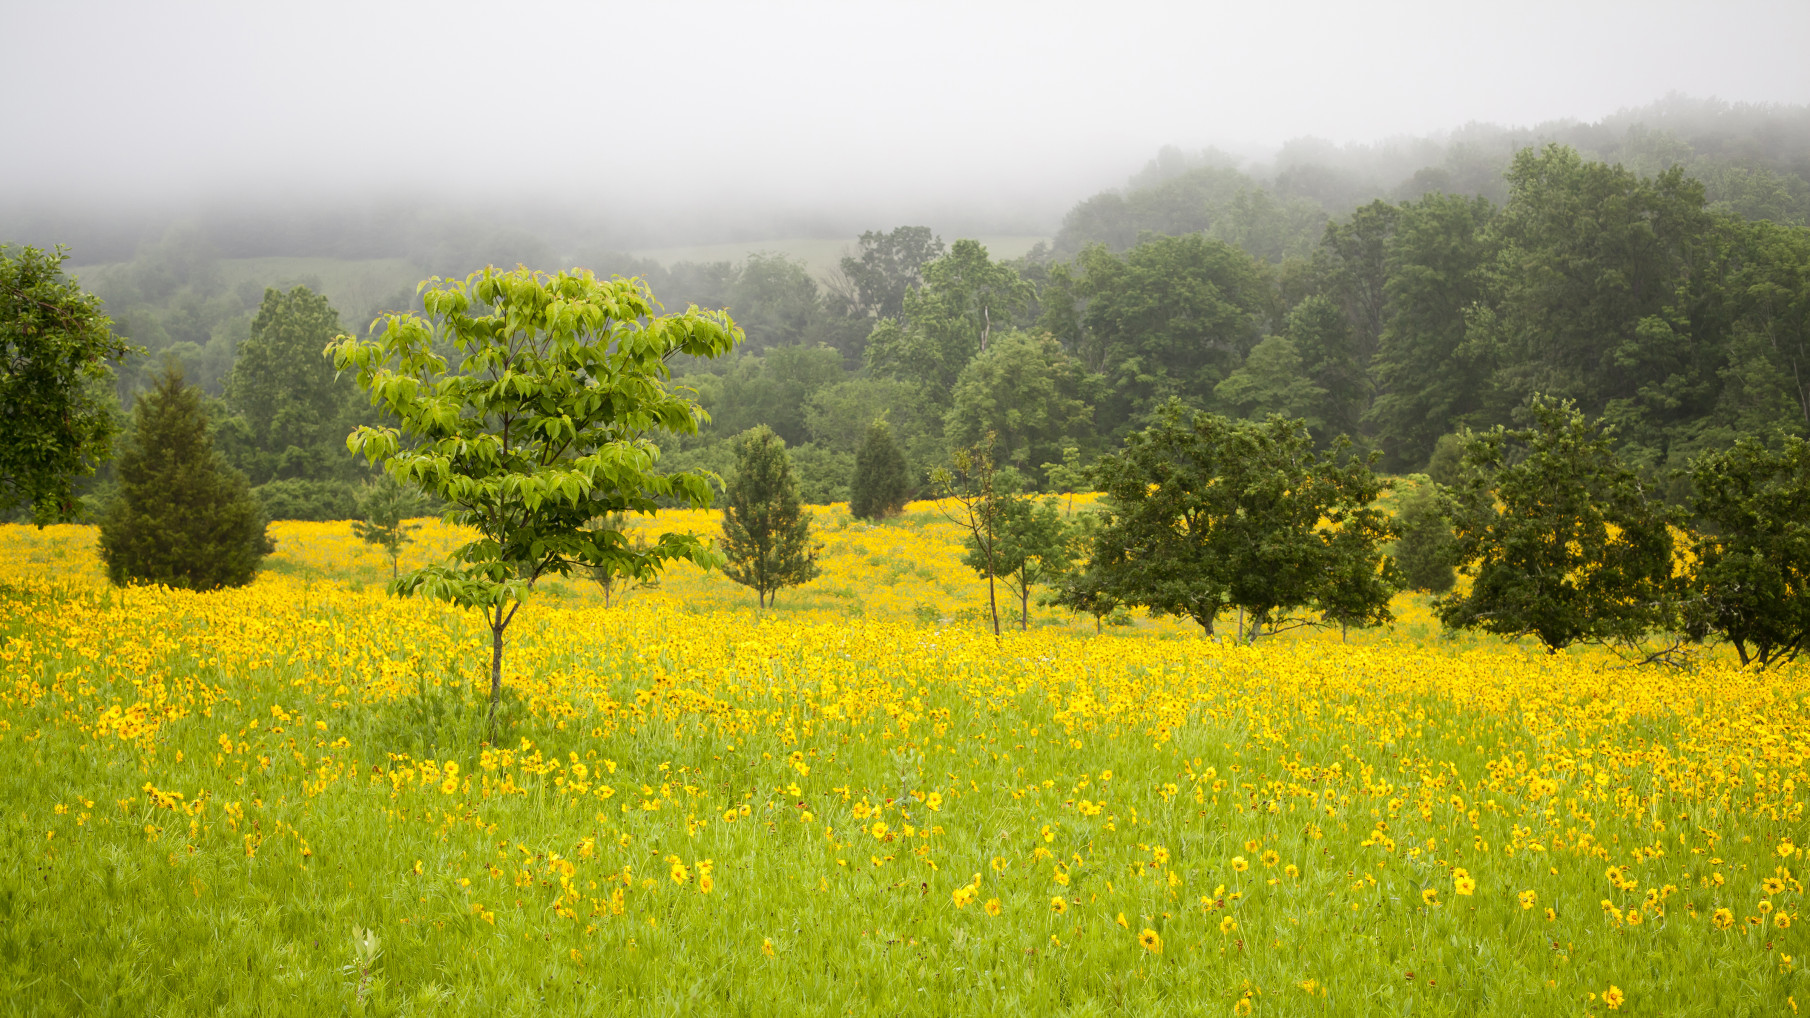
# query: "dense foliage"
(1753, 553)
(56, 417)
(291, 410)
(880, 485)
(1653, 267)
(1202, 513)
(1559, 536)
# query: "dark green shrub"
(880, 486)
(1426, 552)
(182, 517)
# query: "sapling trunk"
(496, 671)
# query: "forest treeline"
(1682, 323)
(1665, 290)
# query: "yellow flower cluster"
(673, 775)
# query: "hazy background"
(644, 125)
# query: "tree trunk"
(992, 600)
(496, 668)
(1024, 604)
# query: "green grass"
(212, 803)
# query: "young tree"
(182, 517)
(972, 500)
(1067, 477)
(1562, 539)
(766, 532)
(387, 506)
(880, 485)
(605, 574)
(1031, 549)
(1751, 585)
(1083, 588)
(56, 414)
(542, 429)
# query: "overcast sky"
(705, 104)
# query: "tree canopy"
(540, 433)
(1561, 539)
(1204, 513)
(56, 412)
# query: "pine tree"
(182, 517)
(880, 486)
(766, 533)
(1426, 551)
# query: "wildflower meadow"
(281, 799)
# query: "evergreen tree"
(182, 517)
(766, 533)
(387, 506)
(1426, 552)
(881, 484)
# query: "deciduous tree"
(296, 409)
(1029, 394)
(973, 501)
(1751, 582)
(1561, 539)
(1031, 548)
(56, 407)
(1205, 513)
(543, 428)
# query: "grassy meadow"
(279, 800)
